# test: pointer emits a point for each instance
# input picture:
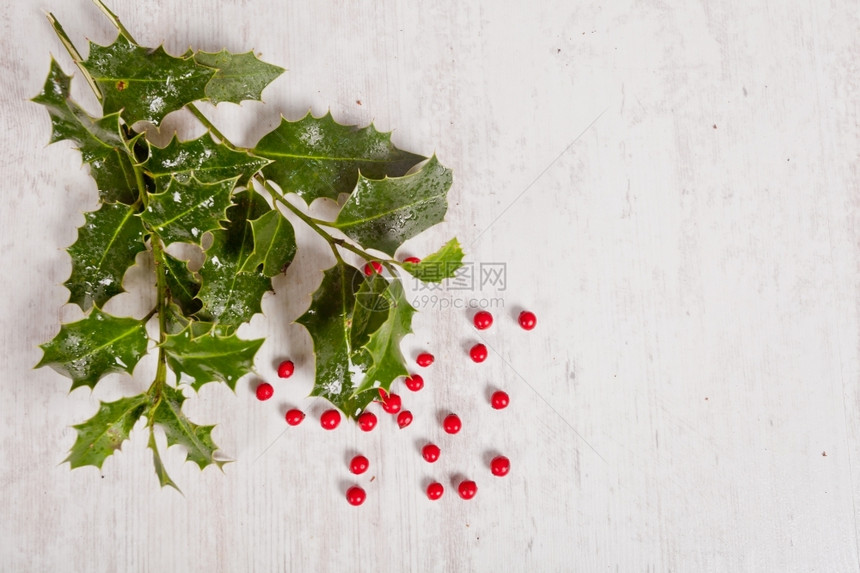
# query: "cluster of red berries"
(392, 404)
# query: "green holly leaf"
(370, 312)
(182, 284)
(95, 346)
(187, 209)
(99, 140)
(160, 471)
(384, 345)
(441, 265)
(106, 247)
(238, 77)
(205, 352)
(181, 431)
(338, 372)
(229, 295)
(145, 84)
(205, 159)
(104, 433)
(383, 213)
(317, 157)
(274, 244)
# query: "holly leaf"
(317, 157)
(182, 284)
(95, 346)
(238, 77)
(179, 430)
(328, 320)
(274, 244)
(441, 265)
(383, 213)
(205, 352)
(145, 84)
(230, 296)
(99, 140)
(187, 209)
(370, 312)
(106, 247)
(160, 471)
(202, 158)
(384, 345)
(104, 433)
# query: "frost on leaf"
(205, 353)
(95, 346)
(317, 157)
(104, 433)
(106, 247)
(99, 140)
(187, 209)
(145, 84)
(383, 213)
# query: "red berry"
(358, 465)
(478, 353)
(355, 495)
(404, 418)
(392, 403)
(527, 320)
(330, 419)
(435, 490)
(500, 400)
(424, 359)
(295, 417)
(264, 391)
(452, 424)
(467, 489)
(483, 320)
(367, 421)
(413, 260)
(500, 466)
(286, 369)
(414, 382)
(431, 452)
(373, 267)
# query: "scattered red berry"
(373, 267)
(286, 369)
(483, 320)
(435, 490)
(452, 424)
(295, 417)
(527, 320)
(414, 382)
(265, 391)
(404, 418)
(330, 419)
(392, 403)
(478, 353)
(413, 260)
(359, 465)
(431, 452)
(467, 489)
(367, 421)
(500, 466)
(424, 359)
(500, 400)
(355, 495)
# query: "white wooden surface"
(689, 400)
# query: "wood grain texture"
(692, 257)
